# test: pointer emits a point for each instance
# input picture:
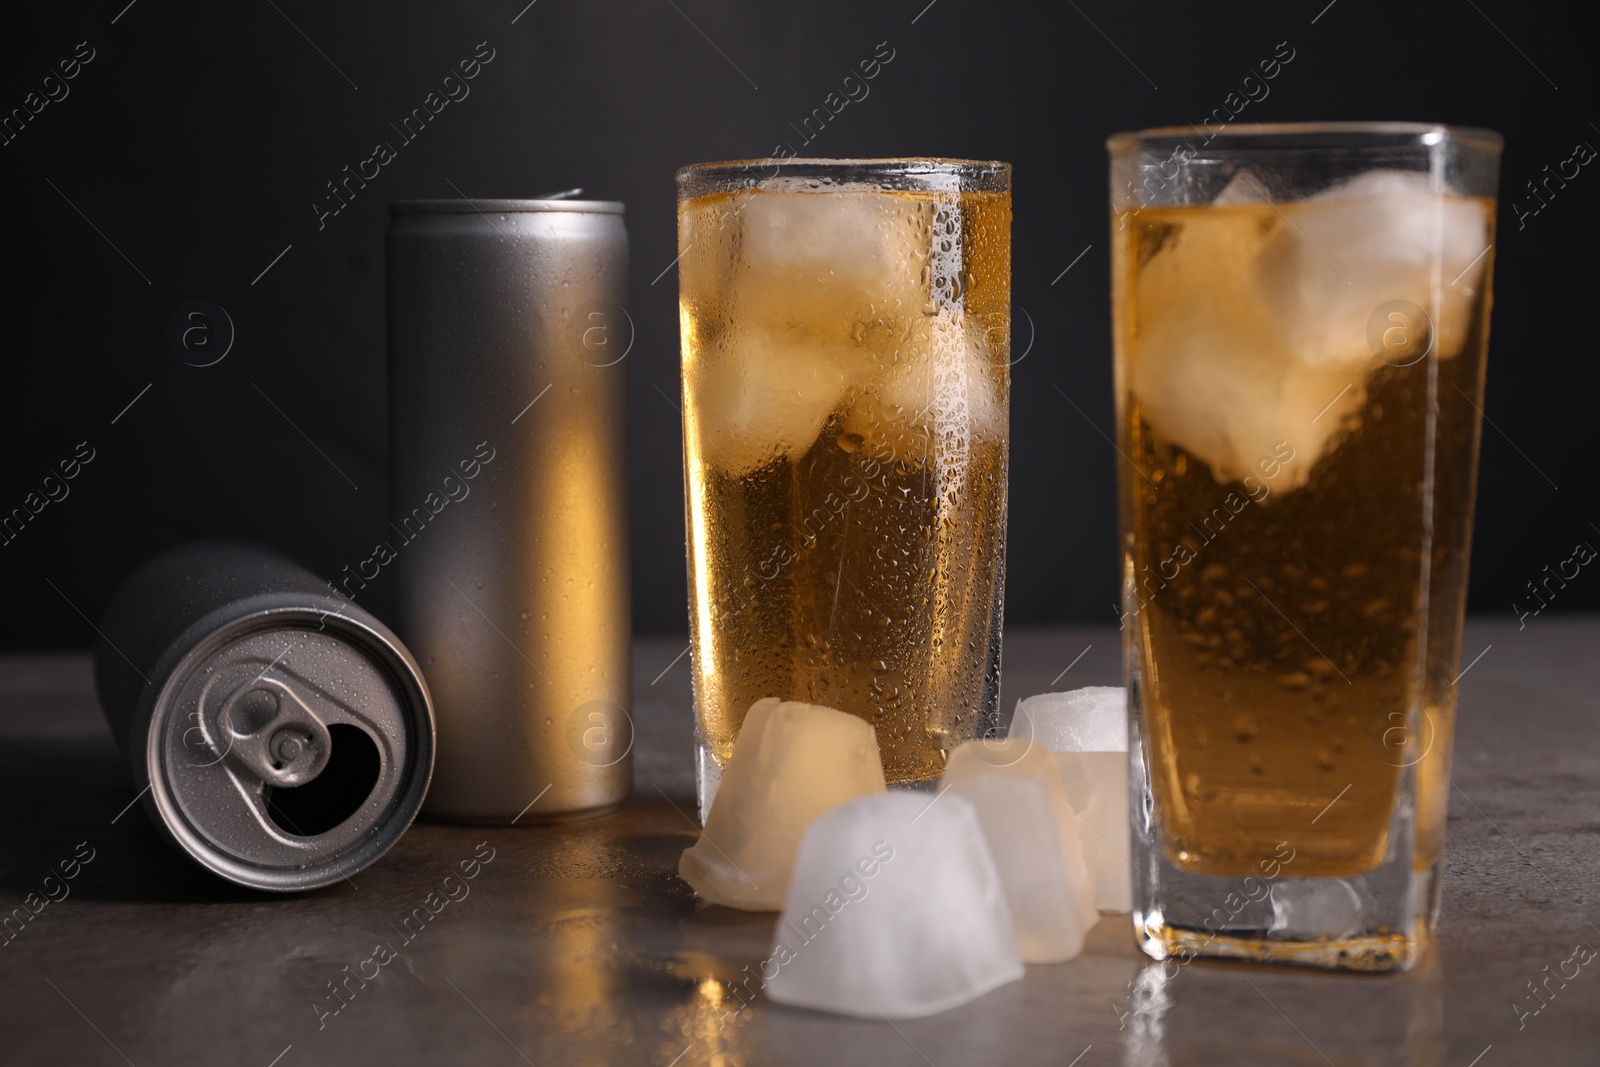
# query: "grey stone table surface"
(577, 944)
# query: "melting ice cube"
(902, 403)
(1091, 719)
(895, 911)
(1380, 237)
(822, 282)
(837, 268)
(870, 245)
(1087, 729)
(1243, 188)
(765, 394)
(1254, 322)
(1034, 836)
(1209, 368)
(790, 763)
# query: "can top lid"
(288, 751)
(460, 207)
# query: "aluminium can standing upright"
(508, 334)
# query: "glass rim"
(893, 171)
(1312, 135)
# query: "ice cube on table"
(1382, 236)
(1087, 730)
(790, 763)
(1091, 719)
(1097, 786)
(1066, 831)
(1013, 755)
(895, 911)
(1033, 834)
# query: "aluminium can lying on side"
(508, 333)
(282, 737)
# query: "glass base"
(1380, 920)
(1378, 952)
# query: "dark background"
(192, 147)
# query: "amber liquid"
(846, 545)
(1297, 653)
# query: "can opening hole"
(334, 795)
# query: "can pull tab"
(273, 735)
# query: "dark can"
(281, 736)
(508, 333)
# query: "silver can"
(508, 333)
(278, 735)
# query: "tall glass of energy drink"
(846, 345)
(1300, 316)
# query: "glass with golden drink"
(845, 330)
(1301, 316)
